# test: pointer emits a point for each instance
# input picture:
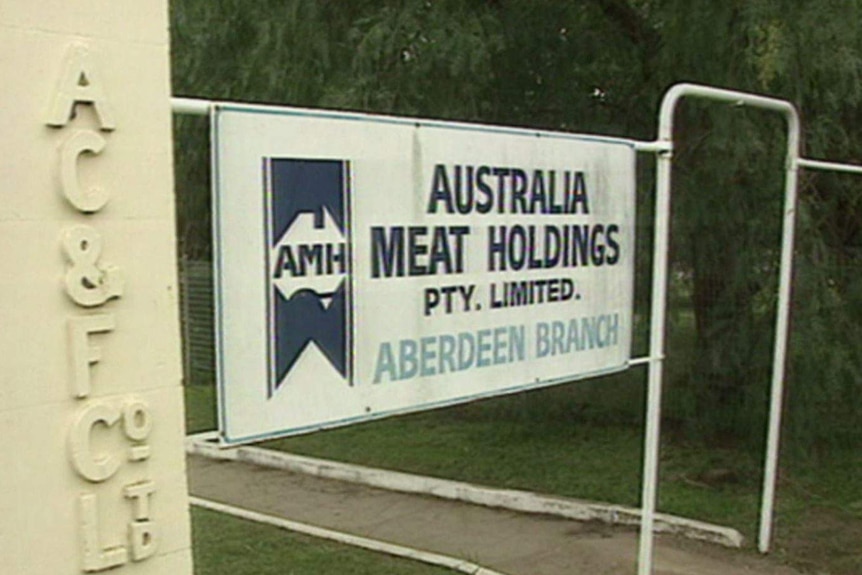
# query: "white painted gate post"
(92, 470)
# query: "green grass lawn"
(570, 441)
(226, 545)
(512, 442)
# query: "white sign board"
(368, 265)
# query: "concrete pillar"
(92, 474)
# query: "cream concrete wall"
(92, 475)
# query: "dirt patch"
(826, 541)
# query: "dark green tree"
(602, 67)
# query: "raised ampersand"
(88, 283)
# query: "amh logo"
(308, 264)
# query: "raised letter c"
(93, 467)
(87, 201)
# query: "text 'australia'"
(464, 189)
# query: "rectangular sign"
(368, 265)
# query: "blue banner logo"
(309, 264)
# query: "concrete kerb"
(206, 445)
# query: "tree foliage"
(602, 67)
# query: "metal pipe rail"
(662, 147)
(659, 303)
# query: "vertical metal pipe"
(654, 391)
(661, 235)
(782, 320)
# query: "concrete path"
(505, 541)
